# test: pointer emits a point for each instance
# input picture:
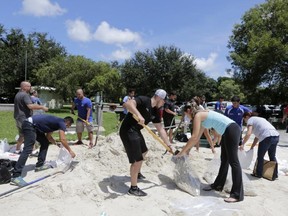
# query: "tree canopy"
(21, 55)
(259, 54)
(168, 68)
(67, 74)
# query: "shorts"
(134, 144)
(80, 127)
(169, 123)
(19, 127)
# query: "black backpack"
(181, 137)
(6, 168)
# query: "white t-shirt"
(261, 128)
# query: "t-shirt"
(48, 123)
(286, 110)
(217, 121)
(219, 106)
(21, 110)
(236, 114)
(149, 113)
(125, 99)
(35, 100)
(82, 106)
(261, 128)
(169, 104)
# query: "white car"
(211, 104)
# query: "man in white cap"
(144, 109)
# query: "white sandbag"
(4, 146)
(212, 169)
(64, 158)
(245, 158)
(185, 177)
(248, 186)
(212, 172)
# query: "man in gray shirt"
(23, 109)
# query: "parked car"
(267, 111)
(211, 104)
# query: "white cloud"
(121, 54)
(206, 64)
(111, 35)
(78, 30)
(41, 8)
(81, 31)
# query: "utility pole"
(26, 65)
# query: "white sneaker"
(17, 152)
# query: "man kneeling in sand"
(40, 128)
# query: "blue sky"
(114, 29)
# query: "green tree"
(228, 88)
(165, 67)
(259, 54)
(21, 55)
(67, 74)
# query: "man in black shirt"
(169, 115)
(145, 109)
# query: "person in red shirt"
(285, 114)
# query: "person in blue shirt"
(236, 112)
(85, 118)
(131, 94)
(40, 128)
(230, 132)
(219, 106)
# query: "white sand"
(99, 181)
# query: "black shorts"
(169, 123)
(134, 143)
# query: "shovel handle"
(154, 135)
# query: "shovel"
(83, 120)
(154, 135)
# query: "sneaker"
(137, 192)
(17, 152)
(41, 168)
(34, 153)
(79, 142)
(18, 181)
(140, 176)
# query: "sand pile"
(99, 180)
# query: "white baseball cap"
(161, 93)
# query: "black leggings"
(229, 156)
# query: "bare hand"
(72, 154)
(45, 109)
(141, 120)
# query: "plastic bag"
(212, 169)
(185, 177)
(4, 146)
(64, 158)
(245, 158)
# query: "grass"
(8, 126)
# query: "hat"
(161, 93)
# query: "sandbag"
(269, 169)
(4, 146)
(185, 177)
(245, 158)
(212, 172)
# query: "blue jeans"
(268, 144)
(30, 136)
